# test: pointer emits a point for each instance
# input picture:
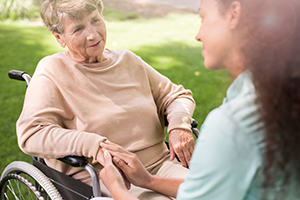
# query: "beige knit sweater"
(71, 107)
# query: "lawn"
(167, 44)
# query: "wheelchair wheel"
(21, 180)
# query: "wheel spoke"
(11, 189)
(21, 180)
(20, 191)
(17, 187)
(29, 193)
(6, 197)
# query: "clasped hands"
(126, 163)
(131, 169)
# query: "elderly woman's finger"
(181, 156)
(121, 164)
(187, 156)
(112, 147)
(127, 158)
(172, 153)
(107, 158)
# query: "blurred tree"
(19, 9)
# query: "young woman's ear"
(59, 39)
(234, 14)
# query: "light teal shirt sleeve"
(226, 158)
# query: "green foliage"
(29, 9)
(112, 14)
(18, 9)
(167, 44)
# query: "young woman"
(249, 146)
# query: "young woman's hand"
(129, 163)
(110, 175)
(113, 179)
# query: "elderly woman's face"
(85, 38)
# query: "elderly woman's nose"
(91, 33)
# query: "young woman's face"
(214, 34)
(85, 38)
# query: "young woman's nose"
(198, 37)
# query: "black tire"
(14, 186)
(21, 180)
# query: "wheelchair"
(21, 180)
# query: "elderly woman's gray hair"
(53, 11)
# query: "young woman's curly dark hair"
(272, 32)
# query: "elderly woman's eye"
(96, 20)
(77, 29)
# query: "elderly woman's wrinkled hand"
(181, 143)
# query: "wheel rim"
(38, 180)
(15, 186)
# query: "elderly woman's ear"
(59, 39)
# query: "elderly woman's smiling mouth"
(95, 45)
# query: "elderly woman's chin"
(96, 52)
(91, 54)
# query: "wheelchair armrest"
(19, 75)
(81, 161)
(194, 125)
(75, 161)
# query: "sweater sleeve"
(172, 100)
(41, 127)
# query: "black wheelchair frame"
(21, 180)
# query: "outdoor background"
(161, 35)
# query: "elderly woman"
(249, 146)
(89, 94)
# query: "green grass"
(166, 44)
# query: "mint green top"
(227, 160)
